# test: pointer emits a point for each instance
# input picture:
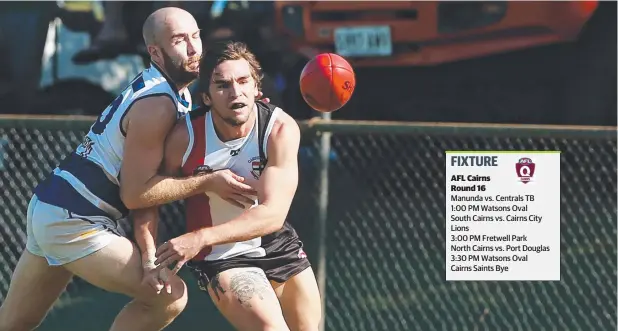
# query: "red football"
(327, 82)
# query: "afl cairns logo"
(525, 169)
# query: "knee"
(310, 321)
(310, 325)
(178, 299)
(171, 303)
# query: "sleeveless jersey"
(246, 157)
(86, 182)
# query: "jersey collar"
(170, 82)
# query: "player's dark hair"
(226, 51)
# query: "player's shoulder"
(152, 115)
(280, 116)
(153, 106)
(179, 136)
(285, 120)
(192, 121)
(176, 144)
(198, 113)
(284, 126)
(151, 83)
(264, 107)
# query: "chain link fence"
(385, 230)
(386, 243)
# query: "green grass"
(96, 309)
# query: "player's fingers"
(166, 262)
(244, 188)
(158, 287)
(178, 266)
(155, 284)
(162, 249)
(165, 254)
(163, 276)
(266, 100)
(242, 199)
(234, 202)
(164, 279)
(237, 178)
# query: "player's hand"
(231, 188)
(260, 95)
(178, 250)
(156, 278)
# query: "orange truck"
(421, 33)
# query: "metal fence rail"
(384, 232)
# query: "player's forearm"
(255, 222)
(145, 225)
(160, 190)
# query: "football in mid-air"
(327, 82)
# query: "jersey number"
(104, 119)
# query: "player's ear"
(206, 99)
(154, 52)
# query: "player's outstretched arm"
(146, 126)
(275, 192)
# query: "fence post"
(323, 214)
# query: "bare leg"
(118, 268)
(35, 286)
(244, 296)
(300, 301)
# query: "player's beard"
(234, 121)
(176, 69)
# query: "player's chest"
(243, 160)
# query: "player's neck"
(180, 87)
(226, 132)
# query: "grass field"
(96, 309)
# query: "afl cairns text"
(503, 215)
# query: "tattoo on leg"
(216, 286)
(247, 284)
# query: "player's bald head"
(173, 41)
(163, 20)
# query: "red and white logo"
(302, 254)
(257, 166)
(525, 169)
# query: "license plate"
(363, 41)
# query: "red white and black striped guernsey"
(245, 156)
